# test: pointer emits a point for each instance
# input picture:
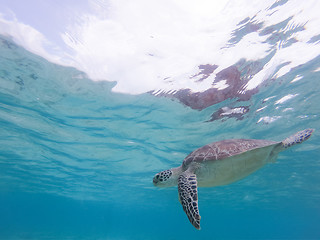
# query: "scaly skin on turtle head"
(167, 178)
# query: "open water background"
(77, 160)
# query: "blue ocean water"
(77, 160)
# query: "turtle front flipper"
(188, 197)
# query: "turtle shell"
(224, 149)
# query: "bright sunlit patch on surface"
(288, 110)
(296, 79)
(260, 109)
(267, 119)
(228, 111)
(221, 85)
(286, 98)
(269, 98)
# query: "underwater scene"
(94, 106)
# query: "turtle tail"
(297, 138)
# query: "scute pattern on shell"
(223, 149)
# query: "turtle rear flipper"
(297, 138)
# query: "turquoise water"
(77, 160)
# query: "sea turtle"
(221, 163)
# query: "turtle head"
(165, 179)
